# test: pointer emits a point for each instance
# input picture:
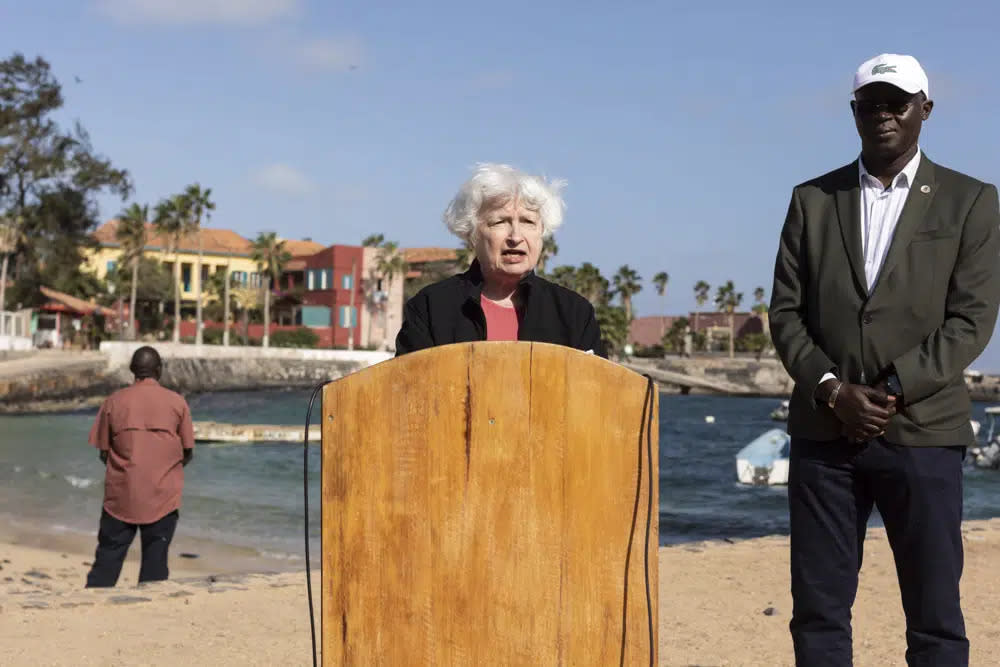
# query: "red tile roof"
(302, 248)
(73, 303)
(217, 241)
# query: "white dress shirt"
(880, 209)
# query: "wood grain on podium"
(477, 504)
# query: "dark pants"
(832, 487)
(115, 537)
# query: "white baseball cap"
(904, 72)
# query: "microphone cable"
(305, 509)
(645, 430)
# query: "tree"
(701, 290)
(9, 232)
(592, 285)
(152, 287)
(199, 204)
(727, 299)
(49, 181)
(614, 324)
(673, 340)
(660, 281)
(131, 233)
(373, 241)
(549, 250)
(760, 307)
(389, 265)
(564, 275)
(270, 256)
(627, 284)
(172, 219)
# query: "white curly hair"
(491, 182)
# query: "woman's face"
(509, 240)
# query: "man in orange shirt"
(145, 437)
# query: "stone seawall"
(768, 377)
(82, 386)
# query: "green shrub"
(301, 337)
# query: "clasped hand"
(864, 411)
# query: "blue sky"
(680, 127)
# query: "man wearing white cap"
(885, 289)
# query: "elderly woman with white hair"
(504, 215)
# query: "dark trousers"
(832, 487)
(115, 537)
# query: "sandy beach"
(721, 603)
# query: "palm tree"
(270, 256)
(701, 289)
(549, 250)
(132, 234)
(591, 285)
(200, 204)
(373, 240)
(660, 281)
(389, 264)
(627, 284)
(760, 307)
(727, 299)
(171, 220)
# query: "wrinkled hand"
(864, 411)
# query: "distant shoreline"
(80, 382)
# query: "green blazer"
(929, 315)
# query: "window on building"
(322, 279)
(310, 278)
(110, 267)
(186, 277)
(348, 317)
(346, 281)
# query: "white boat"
(780, 413)
(765, 460)
(987, 455)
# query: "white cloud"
(330, 54)
(283, 179)
(174, 12)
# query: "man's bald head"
(146, 363)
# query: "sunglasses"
(895, 107)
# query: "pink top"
(145, 430)
(501, 322)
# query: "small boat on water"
(780, 413)
(765, 460)
(987, 455)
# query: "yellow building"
(220, 248)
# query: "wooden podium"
(486, 504)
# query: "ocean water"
(251, 496)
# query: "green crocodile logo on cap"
(883, 69)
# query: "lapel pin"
(925, 188)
